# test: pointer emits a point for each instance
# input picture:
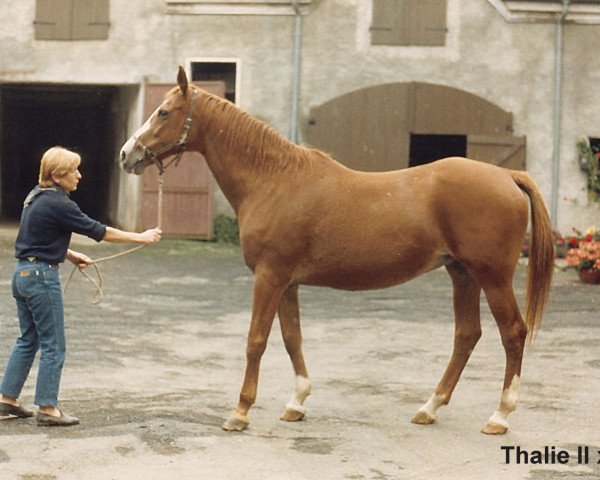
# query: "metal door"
(188, 188)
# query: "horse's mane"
(257, 142)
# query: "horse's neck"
(244, 160)
(234, 182)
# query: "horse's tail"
(541, 255)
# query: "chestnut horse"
(306, 219)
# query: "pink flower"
(585, 256)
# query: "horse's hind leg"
(289, 319)
(513, 332)
(467, 332)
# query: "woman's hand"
(151, 236)
(79, 259)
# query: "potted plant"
(584, 256)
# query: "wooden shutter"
(426, 22)
(409, 22)
(71, 19)
(384, 26)
(53, 19)
(90, 20)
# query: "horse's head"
(164, 133)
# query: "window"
(71, 19)
(409, 22)
(223, 70)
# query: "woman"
(48, 219)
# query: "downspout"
(296, 72)
(558, 67)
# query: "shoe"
(7, 409)
(45, 420)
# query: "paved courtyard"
(155, 368)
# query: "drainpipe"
(558, 67)
(296, 72)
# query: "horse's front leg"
(289, 319)
(266, 298)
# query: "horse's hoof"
(493, 428)
(423, 418)
(235, 423)
(291, 415)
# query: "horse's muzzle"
(132, 160)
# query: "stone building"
(380, 84)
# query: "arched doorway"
(393, 126)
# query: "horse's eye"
(163, 114)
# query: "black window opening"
(217, 71)
(429, 148)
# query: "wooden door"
(502, 150)
(188, 187)
(370, 129)
(366, 129)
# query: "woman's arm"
(114, 235)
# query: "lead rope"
(98, 294)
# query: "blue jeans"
(36, 289)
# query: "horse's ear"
(182, 80)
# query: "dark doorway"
(428, 148)
(34, 118)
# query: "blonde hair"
(56, 161)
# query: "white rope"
(99, 294)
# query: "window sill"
(239, 7)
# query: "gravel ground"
(155, 368)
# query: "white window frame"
(523, 11)
(238, 71)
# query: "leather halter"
(181, 143)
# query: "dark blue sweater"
(48, 219)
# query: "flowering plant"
(584, 253)
(589, 158)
